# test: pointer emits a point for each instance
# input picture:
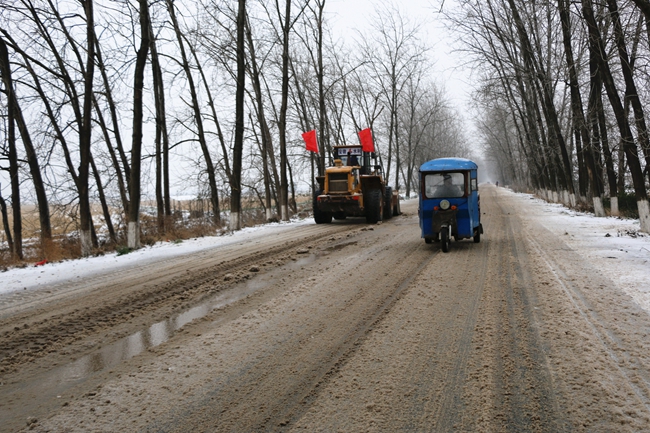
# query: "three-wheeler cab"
(449, 201)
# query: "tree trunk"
(85, 219)
(235, 182)
(53, 118)
(161, 139)
(265, 133)
(102, 200)
(644, 5)
(123, 174)
(578, 120)
(321, 91)
(136, 147)
(32, 159)
(222, 141)
(5, 70)
(119, 176)
(609, 159)
(5, 222)
(282, 123)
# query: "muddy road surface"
(343, 327)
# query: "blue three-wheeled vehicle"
(449, 201)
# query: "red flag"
(310, 140)
(365, 136)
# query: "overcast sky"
(349, 15)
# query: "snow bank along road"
(341, 327)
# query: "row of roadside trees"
(104, 102)
(563, 94)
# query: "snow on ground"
(41, 277)
(612, 245)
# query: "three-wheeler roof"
(448, 164)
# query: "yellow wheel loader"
(354, 187)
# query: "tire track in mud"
(509, 378)
(451, 403)
(49, 329)
(270, 395)
(591, 337)
(613, 338)
(530, 403)
(463, 353)
(430, 384)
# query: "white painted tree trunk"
(133, 235)
(599, 209)
(86, 238)
(572, 199)
(235, 221)
(644, 215)
(613, 207)
(285, 212)
(269, 214)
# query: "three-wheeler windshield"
(444, 185)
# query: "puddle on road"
(55, 381)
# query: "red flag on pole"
(310, 140)
(365, 136)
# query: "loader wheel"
(374, 207)
(319, 216)
(388, 201)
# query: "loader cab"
(345, 153)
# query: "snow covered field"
(612, 245)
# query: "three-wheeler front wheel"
(444, 239)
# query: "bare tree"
(85, 135)
(163, 206)
(198, 119)
(394, 51)
(5, 70)
(16, 115)
(136, 146)
(5, 223)
(235, 184)
(582, 135)
(266, 145)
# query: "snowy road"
(543, 326)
